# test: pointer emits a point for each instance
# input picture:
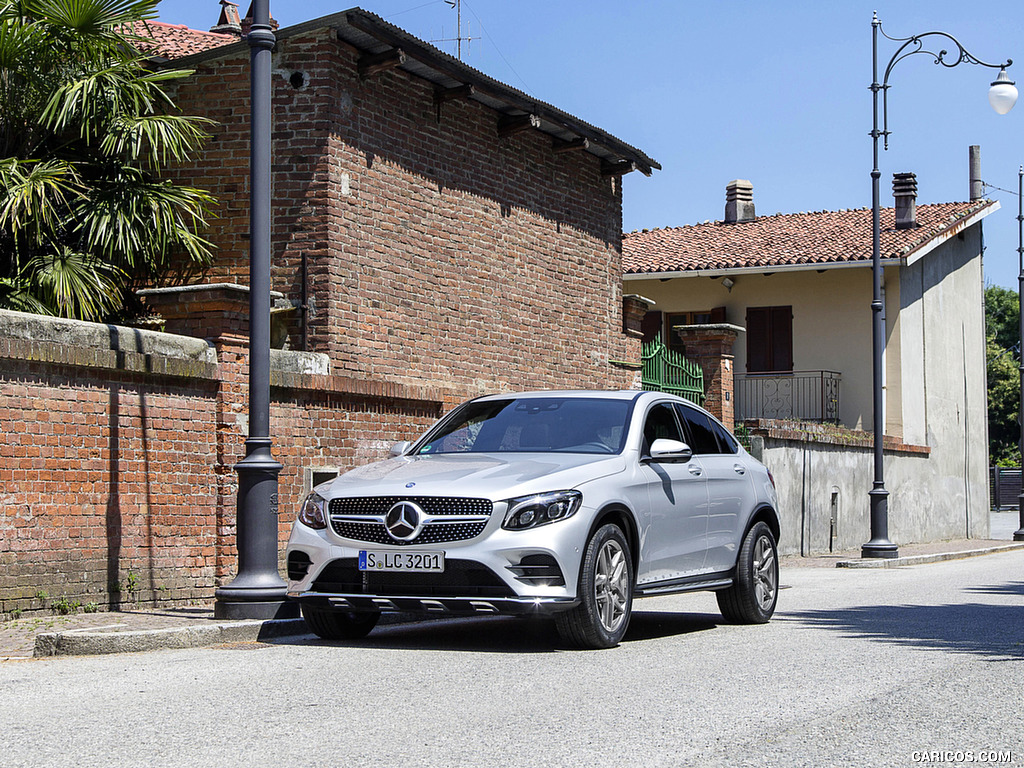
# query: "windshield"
(532, 425)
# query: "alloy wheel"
(766, 574)
(611, 585)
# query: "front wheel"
(606, 593)
(332, 624)
(751, 600)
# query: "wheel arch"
(767, 515)
(621, 516)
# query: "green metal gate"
(668, 371)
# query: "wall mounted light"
(728, 282)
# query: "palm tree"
(86, 129)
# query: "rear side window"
(726, 442)
(702, 436)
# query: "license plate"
(409, 562)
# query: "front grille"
(435, 506)
(461, 578)
(435, 531)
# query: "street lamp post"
(258, 591)
(1002, 96)
(1018, 535)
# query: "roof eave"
(911, 256)
(370, 33)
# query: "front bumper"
(530, 572)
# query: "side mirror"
(399, 449)
(670, 450)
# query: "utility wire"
(986, 185)
(410, 10)
(491, 39)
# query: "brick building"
(436, 224)
(436, 235)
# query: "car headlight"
(312, 512)
(541, 509)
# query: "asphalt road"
(859, 668)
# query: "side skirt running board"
(669, 588)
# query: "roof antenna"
(457, 5)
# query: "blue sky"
(773, 92)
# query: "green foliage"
(86, 133)
(64, 607)
(1002, 356)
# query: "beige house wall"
(831, 321)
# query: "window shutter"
(758, 335)
(782, 339)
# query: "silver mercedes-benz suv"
(563, 504)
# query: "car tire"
(339, 625)
(752, 598)
(605, 591)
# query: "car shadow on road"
(652, 625)
(992, 631)
(504, 634)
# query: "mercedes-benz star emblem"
(404, 521)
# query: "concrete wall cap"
(172, 289)
(59, 330)
(297, 361)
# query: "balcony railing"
(804, 395)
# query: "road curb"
(84, 642)
(938, 557)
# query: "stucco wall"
(811, 477)
(831, 321)
(943, 369)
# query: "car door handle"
(695, 470)
(738, 469)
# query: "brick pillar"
(206, 311)
(634, 309)
(711, 346)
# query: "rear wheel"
(752, 599)
(339, 625)
(606, 593)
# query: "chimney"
(739, 201)
(247, 22)
(229, 22)
(904, 189)
(977, 185)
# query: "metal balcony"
(801, 395)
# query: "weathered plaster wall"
(944, 387)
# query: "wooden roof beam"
(375, 63)
(559, 146)
(441, 95)
(620, 168)
(512, 124)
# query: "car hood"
(479, 475)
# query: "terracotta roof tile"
(172, 41)
(820, 237)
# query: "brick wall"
(116, 467)
(436, 250)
